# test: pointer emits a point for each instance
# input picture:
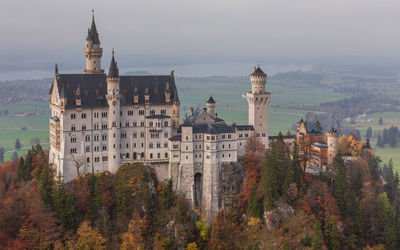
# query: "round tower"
(258, 79)
(332, 142)
(93, 51)
(258, 101)
(210, 106)
(113, 99)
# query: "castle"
(100, 121)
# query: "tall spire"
(93, 32)
(114, 71)
(56, 69)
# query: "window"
(96, 115)
(134, 124)
(151, 145)
(134, 135)
(83, 127)
(223, 136)
(73, 139)
(104, 148)
(104, 137)
(150, 124)
(166, 155)
(104, 114)
(158, 145)
(151, 155)
(142, 134)
(123, 135)
(96, 159)
(223, 146)
(166, 135)
(127, 145)
(141, 112)
(187, 138)
(165, 144)
(73, 151)
(158, 155)
(88, 160)
(96, 149)
(152, 112)
(142, 124)
(87, 149)
(87, 138)
(163, 111)
(104, 126)
(96, 126)
(104, 158)
(96, 137)
(229, 136)
(83, 115)
(73, 128)
(73, 116)
(130, 112)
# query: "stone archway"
(198, 184)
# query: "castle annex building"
(100, 121)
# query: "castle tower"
(175, 109)
(258, 101)
(332, 142)
(211, 106)
(113, 99)
(93, 52)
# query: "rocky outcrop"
(232, 175)
(273, 218)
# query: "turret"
(113, 100)
(258, 79)
(175, 106)
(93, 52)
(332, 142)
(211, 106)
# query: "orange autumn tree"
(350, 145)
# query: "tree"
(391, 184)
(78, 161)
(317, 241)
(64, 206)
(380, 121)
(46, 186)
(380, 143)
(17, 144)
(14, 156)
(255, 206)
(121, 195)
(368, 134)
(271, 182)
(387, 221)
(332, 234)
(89, 238)
(2, 151)
(21, 168)
(341, 190)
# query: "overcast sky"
(35, 34)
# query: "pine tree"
(169, 195)
(28, 165)
(17, 144)
(121, 197)
(380, 121)
(64, 206)
(46, 186)
(387, 221)
(332, 234)
(317, 241)
(2, 151)
(255, 205)
(341, 191)
(14, 156)
(271, 182)
(21, 168)
(390, 186)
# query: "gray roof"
(92, 33)
(211, 100)
(207, 128)
(258, 72)
(320, 145)
(243, 127)
(114, 71)
(93, 88)
(175, 138)
(274, 137)
(313, 127)
(158, 116)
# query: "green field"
(389, 119)
(11, 125)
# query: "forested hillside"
(280, 207)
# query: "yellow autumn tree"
(192, 246)
(354, 145)
(132, 239)
(89, 238)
